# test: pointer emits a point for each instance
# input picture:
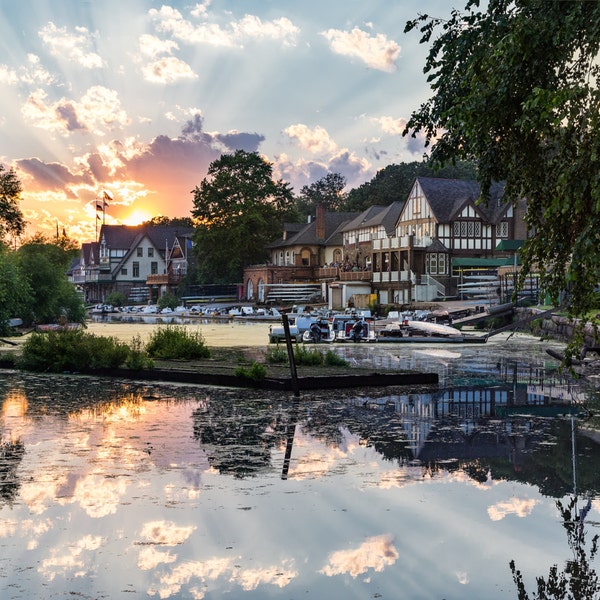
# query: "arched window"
(261, 290)
(250, 290)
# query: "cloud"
(391, 125)
(152, 46)
(515, 506)
(170, 21)
(376, 51)
(73, 46)
(166, 533)
(315, 140)
(98, 111)
(375, 553)
(49, 176)
(29, 74)
(167, 70)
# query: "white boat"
(320, 331)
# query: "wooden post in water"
(290, 351)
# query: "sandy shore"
(215, 333)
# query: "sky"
(138, 97)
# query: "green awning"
(510, 245)
(490, 263)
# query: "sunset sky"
(139, 97)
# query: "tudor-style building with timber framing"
(442, 229)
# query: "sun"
(136, 217)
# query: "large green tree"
(52, 297)
(12, 222)
(515, 88)
(328, 191)
(15, 292)
(238, 210)
(394, 182)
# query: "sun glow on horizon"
(136, 217)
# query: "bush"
(276, 355)
(302, 356)
(256, 372)
(71, 350)
(138, 358)
(334, 360)
(175, 341)
(168, 300)
(116, 299)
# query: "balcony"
(355, 275)
(402, 243)
(164, 278)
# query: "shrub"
(116, 299)
(168, 300)
(175, 341)
(256, 372)
(138, 358)
(276, 355)
(71, 350)
(302, 356)
(334, 360)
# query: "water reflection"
(159, 491)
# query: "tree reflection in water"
(579, 579)
(11, 455)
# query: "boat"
(319, 331)
(415, 332)
(352, 327)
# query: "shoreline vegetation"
(177, 354)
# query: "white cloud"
(152, 46)
(98, 111)
(250, 27)
(374, 553)
(391, 125)
(376, 51)
(167, 70)
(74, 46)
(315, 140)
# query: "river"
(114, 489)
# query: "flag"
(99, 206)
(107, 196)
(98, 217)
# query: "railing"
(428, 280)
(327, 272)
(355, 275)
(392, 276)
(164, 278)
(403, 242)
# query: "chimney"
(320, 226)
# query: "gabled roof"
(365, 218)
(124, 236)
(386, 217)
(307, 235)
(447, 197)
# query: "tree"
(515, 88)
(328, 191)
(52, 296)
(11, 217)
(395, 181)
(15, 293)
(238, 210)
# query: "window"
(470, 229)
(150, 252)
(153, 268)
(139, 251)
(124, 271)
(136, 269)
(502, 229)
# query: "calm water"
(123, 490)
